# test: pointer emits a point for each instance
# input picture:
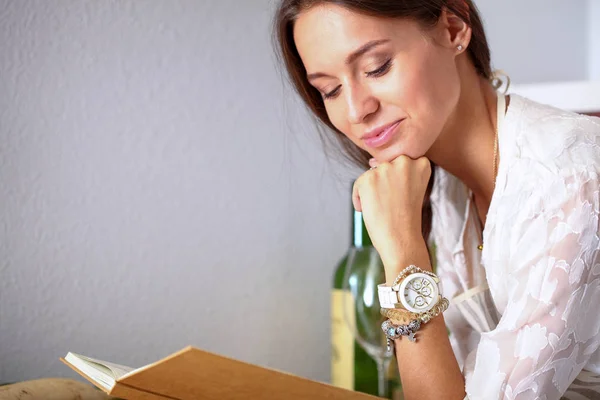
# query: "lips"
(380, 136)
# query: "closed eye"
(372, 74)
(333, 93)
(381, 70)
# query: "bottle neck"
(360, 236)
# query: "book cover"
(192, 373)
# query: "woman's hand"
(390, 197)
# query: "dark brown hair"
(427, 12)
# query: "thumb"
(356, 198)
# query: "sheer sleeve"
(462, 336)
(550, 325)
(448, 201)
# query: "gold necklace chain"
(495, 156)
(495, 168)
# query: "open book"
(196, 374)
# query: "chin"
(392, 153)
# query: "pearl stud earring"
(459, 47)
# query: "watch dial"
(418, 293)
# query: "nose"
(361, 103)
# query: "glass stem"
(381, 377)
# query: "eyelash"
(381, 70)
(371, 74)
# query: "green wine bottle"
(351, 367)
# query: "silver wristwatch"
(414, 290)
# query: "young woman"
(507, 189)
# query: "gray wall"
(538, 40)
(593, 24)
(159, 186)
(158, 189)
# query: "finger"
(423, 160)
(373, 163)
(401, 159)
(356, 197)
(425, 164)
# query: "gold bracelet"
(403, 317)
(398, 316)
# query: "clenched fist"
(390, 196)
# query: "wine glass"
(364, 271)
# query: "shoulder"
(553, 158)
(557, 140)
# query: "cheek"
(337, 116)
(433, 87)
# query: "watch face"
(418, 292)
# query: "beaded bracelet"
(439, 308)
(395, 331)
(410, 270)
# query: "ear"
(456, 33)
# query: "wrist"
(410, 251)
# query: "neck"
(465, 148)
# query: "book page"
(116, 369)
(103, 372)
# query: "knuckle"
(383, 168)
(423, 163)
(402, 159)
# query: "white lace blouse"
(525, 311)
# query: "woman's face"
(392, 97)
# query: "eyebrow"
(352, 57)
